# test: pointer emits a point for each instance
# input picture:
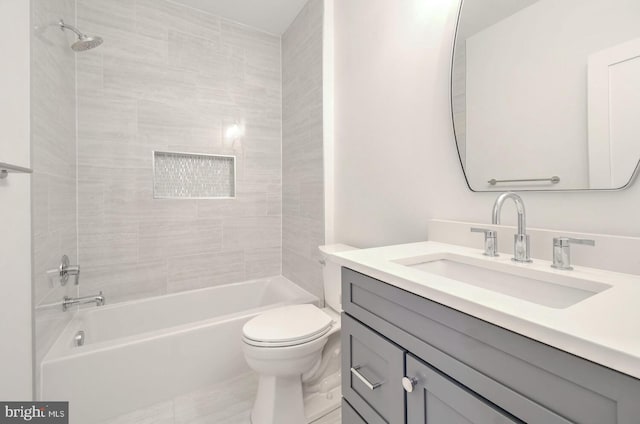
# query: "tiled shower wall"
(53, 153)
(302, 149)
(172, 78)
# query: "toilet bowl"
(285, 346)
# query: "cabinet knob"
(409, 383)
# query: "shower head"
(84, 42)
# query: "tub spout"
(98, 299)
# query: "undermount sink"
(543, 288)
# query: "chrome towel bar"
(553, 180)
(6, 168)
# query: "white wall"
(15, 217)
(396, 161)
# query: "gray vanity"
(407, 359)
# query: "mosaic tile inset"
(193, 176)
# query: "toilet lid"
(288, 325)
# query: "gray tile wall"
(53, 135)
(302, 149)
(172, 78)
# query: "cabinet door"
(349, 415)
(372, 373)
(437, 399)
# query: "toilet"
(286, 347)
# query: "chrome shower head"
(84, 42)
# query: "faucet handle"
(486, 231)
(562, 251)
(490, 241)
(566, 241)
(65, 270)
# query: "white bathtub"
(142, 352)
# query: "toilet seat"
(287, 326)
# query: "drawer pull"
(409, 383)
(372, 386)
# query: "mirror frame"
(632, 178)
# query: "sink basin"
(543, 288)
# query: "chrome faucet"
(521, 240)
(98, 299)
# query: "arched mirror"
(546, 94)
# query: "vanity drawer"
(570, 387)
(372, 368)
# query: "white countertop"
(604, 328)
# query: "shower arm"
(64, 26)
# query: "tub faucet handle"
(65, 270)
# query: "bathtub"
(143, 352)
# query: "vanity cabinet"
(459, 369)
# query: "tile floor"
(225, 403)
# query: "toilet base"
(316, 405)
(279, 400)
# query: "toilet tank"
(332, 275)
